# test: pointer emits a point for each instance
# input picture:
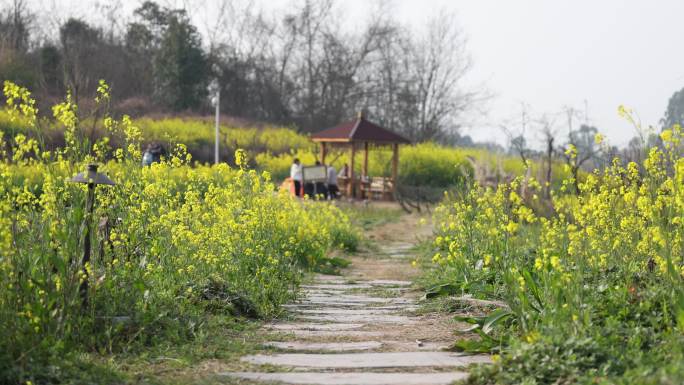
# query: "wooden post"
(365, 169)
(395, 164)
(350, 185)
(365, 159)
(323, 152)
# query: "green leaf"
(442, 290)
(474, 346)
(470, 329)
(534, 289)
(494, 318)
(471, 319)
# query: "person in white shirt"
(296, 176)
(333, 190)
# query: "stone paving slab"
(344, 318)
(396, 253)
(400, 256)
(375, 282)
(337, 287)
(316, 326)
(306, 343)
(353, 292)
(309, 334)
(388, 282)
(364, 311)
(315, 293)
(328, 277)
(397, 245)
(350, 306)
(325, 346)
(392, 307)
(406, 346)
(397, 250)
(331, 293)
(353, 378)
(328, 304)
(367, 360)
(357, 298)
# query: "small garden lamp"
(92, 178)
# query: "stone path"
(361, 328)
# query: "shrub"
(431, 165)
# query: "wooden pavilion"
(357, 135)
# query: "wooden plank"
(365, 159)
(323, 152)
(395, 163)
(330, 140)
(350, 183)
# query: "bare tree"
(414, 82)
(515, 132)
(580, 148)
(325, 64)
(548, 134)
(441, 63)
(385, 81)
(306, 68)
(15, 24)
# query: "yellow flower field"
(593, 283)
(170, 242)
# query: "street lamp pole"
(216, 138)
(215, 89)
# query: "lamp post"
(215, 89)
(91, 178)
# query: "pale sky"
(552, 53)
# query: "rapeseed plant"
(175, 240)
(595, 288)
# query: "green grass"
(368, 217)
(217, 349)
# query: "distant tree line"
(308, 67)
(568, 137)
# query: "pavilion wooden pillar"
(350, 184)
(323, 152)
(365, 160)
(395, 164)
(364, 174)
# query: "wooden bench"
(378, 188)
